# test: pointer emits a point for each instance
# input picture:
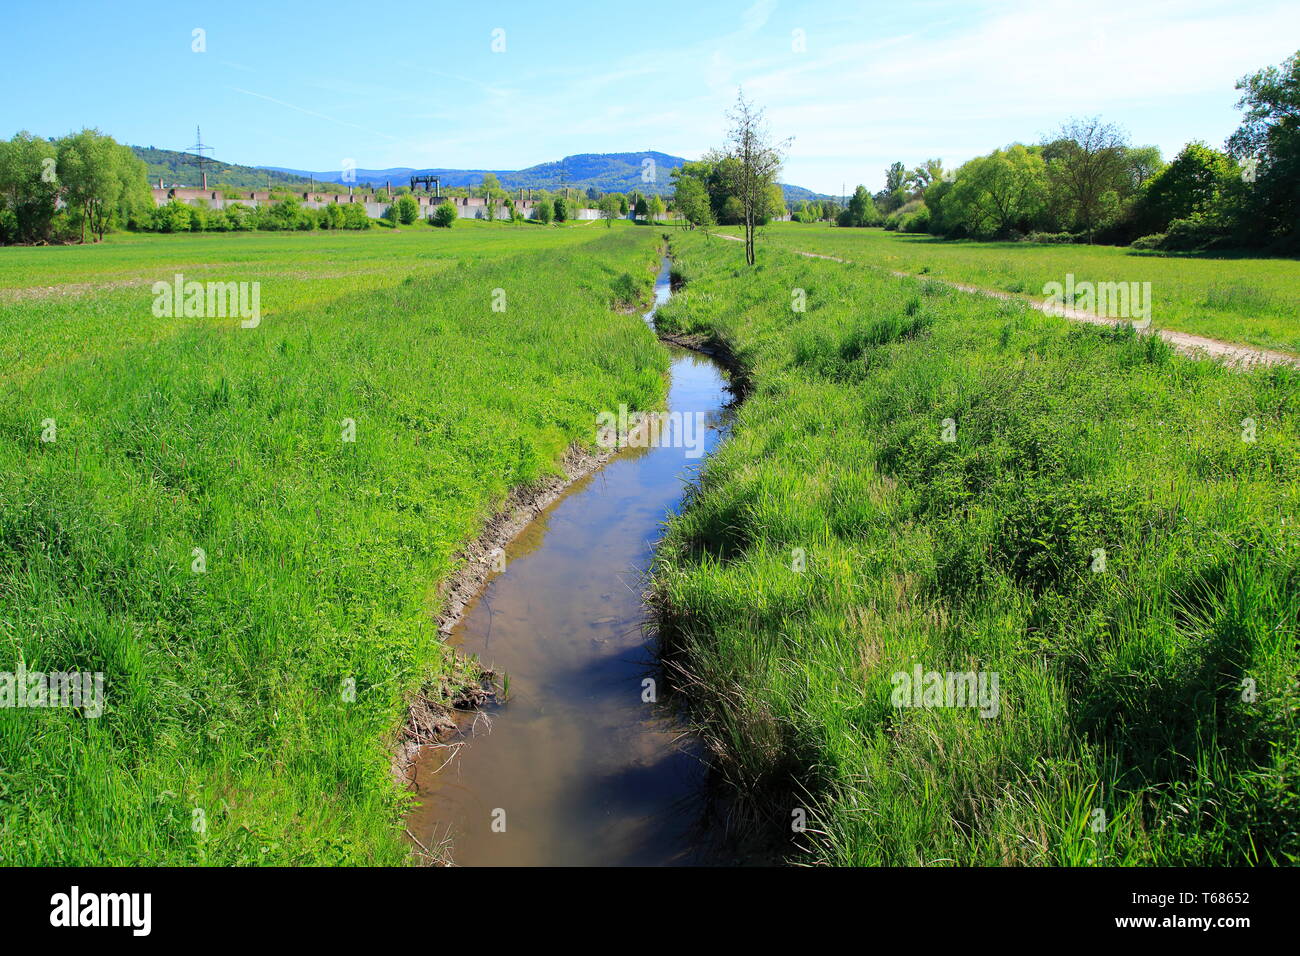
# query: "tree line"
(1088, 183)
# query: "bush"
(332, 217)
(444, 216)
(354, 216)
(1154, 241)
(919, 221)
(1192, 234)
(1054, 237)
(173, 216)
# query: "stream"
(576, 767)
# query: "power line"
(200, 160)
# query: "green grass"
(1247, 301)
(225, 689)
(1121, 690)
(82, 293)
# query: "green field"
(228, 736)
(1104, 534)
(1240, 300)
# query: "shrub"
(1054, 237)
(354, 216)
(1154, 241)
(174, 216)
(1192, 234)
(444, 216)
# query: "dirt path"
(1196, 346)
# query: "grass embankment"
(1240, 300)
(1124, 685)
(227, 689)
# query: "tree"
(561, 206)
(1268, 140)
(1193, 184)
(656, 208)
(996, 193)
(924, 176)
(640, 208)
(691, 200)
(100, 180)
(491, 186)
(861, 210)
(444, 217)
(608, 206)
(29, 188)
(545, 211)
(1087, 169)
(757, 162)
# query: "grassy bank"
(1240, 300)
(1102, 535)
(231, 733)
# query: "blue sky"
(418, 84)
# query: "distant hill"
(604, 172)
(179, 169)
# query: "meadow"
(1248, 301)
(245, 529)
(923, 479)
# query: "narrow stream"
(576, 768)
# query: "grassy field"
(926, 479)
(230, 735)
(82, 292)
(1245, 301)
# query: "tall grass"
(231, 735)
(1127, 731)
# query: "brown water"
(576, 768)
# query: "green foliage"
(408, 210)
(28, 191)
(838, 540)
(1195, 183)
(861, 210)
(100, 183)
(1270, 137)
(444, 216)
(228, 690)
(996, 194)
(691, 200)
